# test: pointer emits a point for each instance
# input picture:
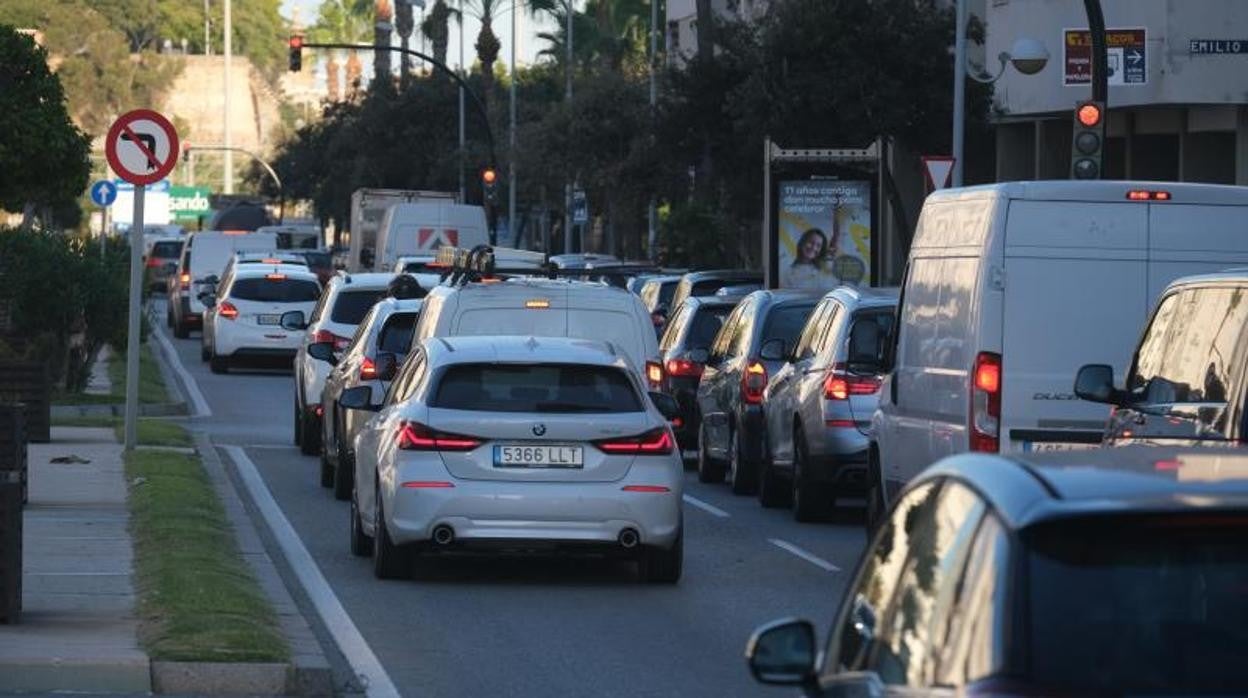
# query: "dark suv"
(750, 347)
(696, 284)
(1187, 383)
(683, 349)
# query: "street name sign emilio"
(142, 148)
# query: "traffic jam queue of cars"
(1034, 526)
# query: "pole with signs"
(142, 148)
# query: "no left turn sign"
(142, 147)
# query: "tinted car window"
(167, 249)
(705, 325)
(666, 291)
(275, 290)
(1190, 352)
(352, 306)
(544, 388)
(866, 343)
(706, 287)
(672, 332)
(396, 334)
(1139, 605)
(786, 322)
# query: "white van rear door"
(1076, 292)
(1193, 239)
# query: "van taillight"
(1147, 195)
(185, 280)
(753, 383)
(985, 422)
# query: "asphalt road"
(543, 626)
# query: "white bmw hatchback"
(521, 443)
(244, 320)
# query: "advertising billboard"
(824, 228)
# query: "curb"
(218, 679)
(165, 409)
(50, 675)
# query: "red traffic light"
(296, 41)
(1089, 115)
(489, 176)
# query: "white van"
(203, 261)
(1010, 288)
(422, 228)
(543, 308)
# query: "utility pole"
(652, 219)
(567, 187)
(463, 184)
(511, 158)
(207, 30)
(227, 185)
(959, 93)
(1100, 60)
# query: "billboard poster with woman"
(825, 233)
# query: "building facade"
(1178, 95)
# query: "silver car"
(818, 407)
(517, 442)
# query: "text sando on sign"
(1127, 55)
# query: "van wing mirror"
(1095, 383)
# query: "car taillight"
(753, 383)
(654, 374)
(656, 442)
(683, 367)
(840, 385)
(368, 370)
(185, 280)
(414, 436)
(227, 310)
(985, 422)
(153, 262)
(340, 343)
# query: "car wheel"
(344, 471)
(181, 330)
(309, 438)
(361, 543)
(709, 470)
(219, 364)
(743, 476)
(390, 561)
(663, 565)
(772, 489)
(876, 504)
(811, 502)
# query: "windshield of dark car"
(1139, 604)
(546, 388)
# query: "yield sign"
(141, 146)
(937, 169)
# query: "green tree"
(437, 27)
(487, 43)
(43, 155)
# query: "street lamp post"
(511, 159)
(652, 222)
(463, 184)
(228, 182)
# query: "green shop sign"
(189, 203)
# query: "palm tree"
(487, 44)
(608, 32)
(437, 27)
(341, 22)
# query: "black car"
(750, 348)
(683, 350)
(706, 283)
(1105, 572)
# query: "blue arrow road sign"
(103, 193)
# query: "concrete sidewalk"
(79, 626)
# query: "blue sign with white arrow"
(103, 193)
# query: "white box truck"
(367, 208)
(421, 229)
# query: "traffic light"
(489, 184)
(296, 53)
(1088, 146)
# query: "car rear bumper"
(238, 339)
(846, 471)
(489, 512)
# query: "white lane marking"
(808, 557)
(708, 508)
(188, 382)
(365, 664)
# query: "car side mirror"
(358, 398)
(773, 350)
(699, 355)
(387, 365)
(1095, 383)
(323, 351)
(209, 300)
(783, 653)
(294, 321)
(666, 404)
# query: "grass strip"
(151, 384)
(151, 431)
(198, 601)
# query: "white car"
(245, 321)
(424, 267)
(345, 302)
(517, 442)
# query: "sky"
(527, 45)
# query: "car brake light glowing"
(753, 383)
(1168, 465)
(1147, 195)
(653, 489)
(275, 277)
(840, 423)
(153, 262)
(185, 279)
(340, 343)
(414, 436)
(227, 310)
(683, 367)
(656, 442)
(840, 384)
(985, 407)
(428, 485)
(537, 304)
(270, 261)
(368, 370)
(654, 373)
